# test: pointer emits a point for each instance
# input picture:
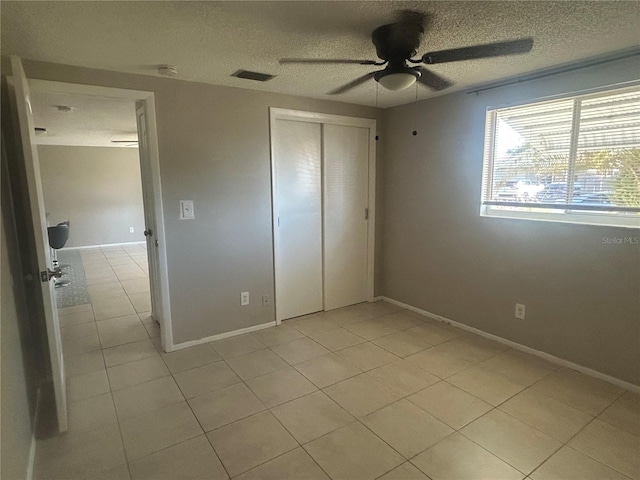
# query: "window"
(574, 159)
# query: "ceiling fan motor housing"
(397, 42)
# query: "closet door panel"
(346, 164)
(297, 218)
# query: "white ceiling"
(93, 121)
(208, 41)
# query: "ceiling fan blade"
(352, 84)
(498, 49)
(328, 60)
(433, 80)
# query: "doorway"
(134, 134)
(323, 187)
(21, 102)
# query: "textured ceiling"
(208, 41)
(93, 121)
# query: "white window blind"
(573, 159)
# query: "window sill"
(587, 218)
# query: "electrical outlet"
(520, 311)
(266, 301)
(131, 229)
(244, 298)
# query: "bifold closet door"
(297, 217)
(346, 192)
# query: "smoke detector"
(167, 70)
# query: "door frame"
(325, 118)
(153, 159)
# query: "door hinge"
(48, 274)
(366, 214)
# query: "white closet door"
(346, 159)
(297, 218)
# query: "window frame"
(555, 213)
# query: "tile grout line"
(402, 396)
(118, 419)
(584, 453)
(269, 409)
(204, 432)
(355, 418)
(494, 407)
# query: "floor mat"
(77, 292)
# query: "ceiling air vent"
(258, 77)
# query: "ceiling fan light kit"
(397, 79)
(396, 46)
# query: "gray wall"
(16, 419)
(98, 189)
(582, 296)
(433, 249)
(214, 150)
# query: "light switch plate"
(244, 298)
(186, 210)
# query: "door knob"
(148, 233)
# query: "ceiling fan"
(396, 45)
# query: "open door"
(21, 103)
(150, 231)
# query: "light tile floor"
(365, 392)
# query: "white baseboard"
(523, 348)
(32, 458)
(221, 336)
(104, 245)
